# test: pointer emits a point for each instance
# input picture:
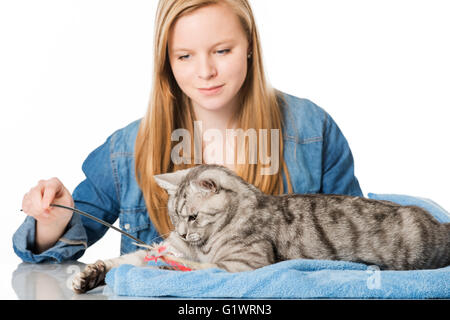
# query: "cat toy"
(155, 252)
(161, 256)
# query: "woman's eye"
(223, 51)
(220, 52)
(183, 57)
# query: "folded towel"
(299, 278)
(288, 279)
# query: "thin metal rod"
(99, 221)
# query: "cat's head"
(200, 199)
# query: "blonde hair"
(169, 109)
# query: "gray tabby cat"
(222, 221)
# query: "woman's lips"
(211, 91)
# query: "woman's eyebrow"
(215, 45)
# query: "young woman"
(208, 71)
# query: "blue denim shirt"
(317, 155)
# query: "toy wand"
(99, 221)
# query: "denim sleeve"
(338, 168)
(95, 195)
(70, 246)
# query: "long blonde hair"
(170, 109)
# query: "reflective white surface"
(54, 282)
(50, 281)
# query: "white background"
(73, 72)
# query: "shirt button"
(127, 226)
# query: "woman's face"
(208, 48)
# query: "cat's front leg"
(94, 274)
(179, 251)
(227, 265)
(193, 265)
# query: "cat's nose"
(182, 230)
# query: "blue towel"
(288, 279)
(299, 278)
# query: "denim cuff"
(70, 246)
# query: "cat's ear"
(171, 181)
(207, 185)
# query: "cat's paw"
(91, 277)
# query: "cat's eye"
(192, 217)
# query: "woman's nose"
(206, 68)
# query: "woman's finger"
(36, 199)
(47, 198)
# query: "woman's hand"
(50, 221)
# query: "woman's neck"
(216, 119)
(221, 120)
